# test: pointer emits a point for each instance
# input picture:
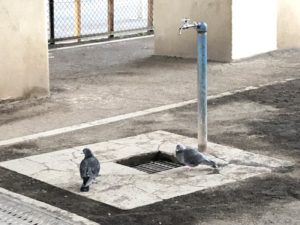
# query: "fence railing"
(77, 19)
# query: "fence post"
(150, 15)
(51, 22)
(78, 19)
(110, 17)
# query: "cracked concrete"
(127, 188)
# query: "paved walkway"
(19, 210)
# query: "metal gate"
(78, 19)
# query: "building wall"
(167, 20)
(288, 23)
(254, 27)
(23, 49)
(236, 28)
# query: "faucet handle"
(185, 20)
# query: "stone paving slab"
(127, 188)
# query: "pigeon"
(89, 169)
(192, 157)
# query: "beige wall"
(254, 27)
(167, 20)
(23, 49)
(288, 23)
(236, 28)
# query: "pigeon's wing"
(83, 168)
(87, 181)
(86, 172)
(192, 157)
(202, 159)
(207, 161)
(95, 167)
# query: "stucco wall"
(254, 27)
(288, 23)
(23, 49)
(167, 19)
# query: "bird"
(192, 157)
(89, 169)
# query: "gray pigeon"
(192, 157)
(89, 169)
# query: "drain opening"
(152, 162)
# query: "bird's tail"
(214, 165)
(211, 163)
(88, 181)
(84, 188)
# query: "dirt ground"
(100, 81)
(264, 121)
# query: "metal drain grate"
(157, 166)
(15, 212)
(152, 162)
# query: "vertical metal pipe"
(202, 85)
(110, 17)
(78, 19)
(51, 21)
(150, 15)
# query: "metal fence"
(77, 19)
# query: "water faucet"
(186, 24)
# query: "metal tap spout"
(186, 24)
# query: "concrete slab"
(19, 209)
(126, 188)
